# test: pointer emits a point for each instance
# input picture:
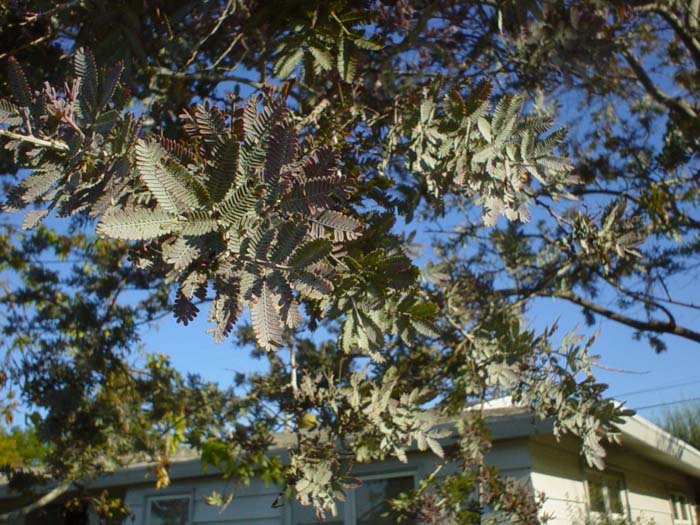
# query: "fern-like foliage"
(239, 205)
(75, 139)
(495, 156)
(323, 45)
(266, 213)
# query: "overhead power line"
(668, 403)
(656, 389)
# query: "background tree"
(683, 422)
(389, 123)
(20, 447)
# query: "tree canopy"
(683, 422)
(280, 166)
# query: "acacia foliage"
(240, 205)
(287, 203)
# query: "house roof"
(650, 440)
(637, 434)
(505, 421)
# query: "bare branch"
(679, 107)
(53, 144)
(226, 52)
(649, 299)
(650, 325)
(694, 14)
(228, 11)
(677, 25)
(42, 501)
(646, 326)
(33, 17)
(209, 77)
(34, 42)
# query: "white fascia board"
(652, 441)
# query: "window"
(371, 499)
(681, 509)
(168, 510)
(606, 493)
(304, 515)
(364, 505)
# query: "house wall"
(559, 471)
(510, 456)
(252, 504)
(649, 485)
(555, 468)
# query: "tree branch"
(42, 501)
(647, 326)
(34, 42)
(649, 301)
(677, 25)
(229, 9)
(53, 144)
(667, 327)
(680, 107)
(209, 77)
(694, 14)
(216, 62)
(33, 17)
(654, 300)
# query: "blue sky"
(635, 373)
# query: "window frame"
(349, 515)
(604, 478)
(677, 496)
(161, 497)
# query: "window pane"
(674, 505)
(304, 515)
(595, 493)
(615, 496)
(370, 499)
(170, 511)
(684, 508)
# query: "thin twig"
(209, 77)
(53, 144)
(620, 370)
(33, 17)
(25, 46)
(226, 52)
(224, 15)
(293, 370)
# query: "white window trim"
(350, 505)
(677, 494)
(162, 497)
(604, 476)
(348, 516)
